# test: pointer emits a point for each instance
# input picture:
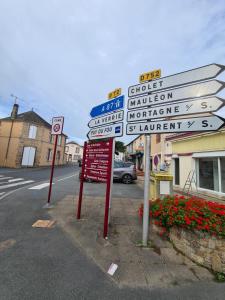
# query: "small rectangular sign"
(57, 125)
(150, 75)
(114, 94)
(107, 119)
(114, 130)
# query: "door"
(177, 171)
(28, 156)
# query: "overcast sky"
(63, 57)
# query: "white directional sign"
(201, 105)
(57, 125)
(180, 125)
(191, 76)
(107, 119)
(196, 90)
(113, 130)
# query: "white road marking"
(40, 186)
(3, 178)
(15, 184)
(67, 177)
(16, 179)
(2, 193)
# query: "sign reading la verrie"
(57, 125)
(201, 105)
(113, 130)
(187, 77)
(196, 90)
(107, 119)
(211, 123)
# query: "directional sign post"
(202, 105)
(191, 91)
(103, 132)
(188, 77)
(107, 119)
(180, 125)
(108, 107)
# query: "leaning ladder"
(188, 183)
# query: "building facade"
(201, 158)
(135, 152)
(26, 141)
(74, 152)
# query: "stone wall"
(204, 249)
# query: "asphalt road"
(44, 264)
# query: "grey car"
(124, 171)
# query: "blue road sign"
(107, 107)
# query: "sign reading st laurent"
(201, 105)
(187, 77)
(196, 90)
(107, 119)
(150, 75)
(114, 94)
(180, 125)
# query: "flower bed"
(189, 213)
(195, 226)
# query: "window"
(58, 155)
(51, 138)
(66, 149)
(158, 138)
(208, 173)
(32, 132)
(222, 168)
(59, 140)
(77, 150)
(49, 155)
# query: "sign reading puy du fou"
(201, 105)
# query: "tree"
(120, 147)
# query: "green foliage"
(119, 147)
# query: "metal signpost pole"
(52, 169)
(146, 191)
(110, 195)
(108, 191)
(81, 182)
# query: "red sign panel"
(97, 161)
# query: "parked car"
(80, 162)
(123, 171)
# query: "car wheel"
(127, 178)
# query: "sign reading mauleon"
(191, 91)
(57, 125)
(108, 107)
(107, 119)
(191, 76)
(97, 161)
(113, 130)
(200, 105)
(180, 125)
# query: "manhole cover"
(43, 223)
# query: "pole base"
(48, 206)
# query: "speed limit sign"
(57, 125)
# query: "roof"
(31, 117)
(133, 140)
(74, 143)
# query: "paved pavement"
(48, 263)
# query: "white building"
(74, 152)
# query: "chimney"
(14, 111)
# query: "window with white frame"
(59, 140)
(32, 132)
(211, 173)
(77, 149)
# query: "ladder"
(188, 183)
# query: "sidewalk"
(159, 265)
